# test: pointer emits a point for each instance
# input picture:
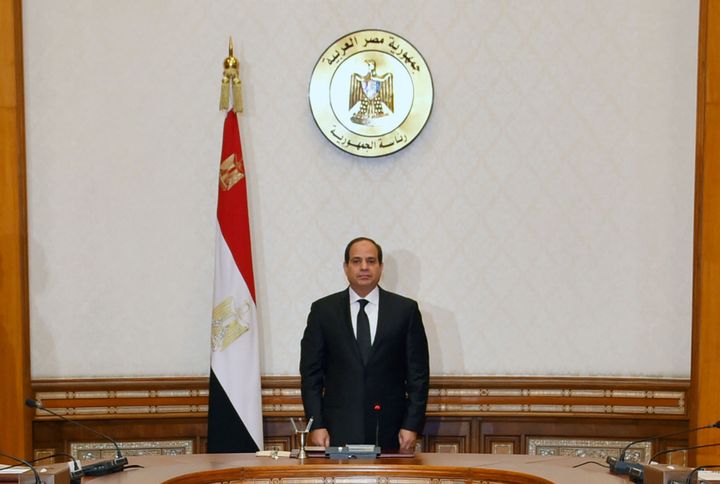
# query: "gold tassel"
(225, 94)
(231, 71)
(237, 95)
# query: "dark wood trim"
(461, 416)
(132, 398)
(15, 419)
(705, 384)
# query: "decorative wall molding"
(504, 415)
(449, 396)
(121, 398)
(106, 450)
(590, 448)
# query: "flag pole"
(235, 402)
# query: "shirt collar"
(373, 296)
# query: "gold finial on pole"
(231, 76)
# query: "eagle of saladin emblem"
(371, 93)
(231, 171)
(229, 322)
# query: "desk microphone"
(620, 466)
(99, 468)
(698, 469)
(670, 451)
(32, 468)
(637, 474)
(377, 409)
(75, 471)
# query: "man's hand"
(320, 437)
(407, 439)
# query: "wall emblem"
(371, 93)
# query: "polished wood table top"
(491, 468)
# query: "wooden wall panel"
(706, 310)
(470, 414)
(130, 398)
(449, 435)
(15, 437)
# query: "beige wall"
(543, 219)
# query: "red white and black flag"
(235, 406)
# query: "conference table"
(419, 469)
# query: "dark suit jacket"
(340, 393)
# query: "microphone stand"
(99, 468)
(377, 409)
(32, 467)
(619, 466)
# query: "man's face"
(363, 269)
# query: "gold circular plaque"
(371, 93)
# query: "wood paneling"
(15, 437)
(157, 411)
(449, 435)
(706, 310)
(131, 398)
(441, 434)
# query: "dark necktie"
(363, 331)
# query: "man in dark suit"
(364, 360)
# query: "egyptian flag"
(235, 407)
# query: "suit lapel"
(382, 322)
(349, 333)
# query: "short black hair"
(360, 239)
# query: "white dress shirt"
(371, 309)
